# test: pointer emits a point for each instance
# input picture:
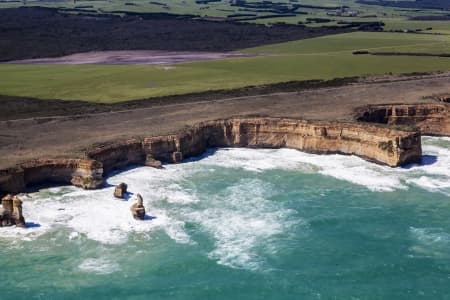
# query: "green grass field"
(320, 58)
(345, 43)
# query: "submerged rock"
(11, 212)
(120, 190)
(138, 209)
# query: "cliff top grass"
(319, 58)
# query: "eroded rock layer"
(379, 144)
(84, 173)
(430, 119)
(11, 212)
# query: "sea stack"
(120, 190)
(11, 212)
(138, 209)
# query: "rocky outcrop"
(120, 190)
(429, 119)
(84, 173)
(154, 163)
(376, 143)
(88, 174)
(11, 212)
(138, 209)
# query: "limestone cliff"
(380, 144)
(119, 155)
(383, 145)
(386, 146)
(11, 212)
(430, 118)
(87, 174)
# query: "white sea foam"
(430, 242)
(433, 174)
(96, 214)
(349, 168)
(241, 220)
(99, 266)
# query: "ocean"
(241, 224)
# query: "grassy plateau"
(319, 58)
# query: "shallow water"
(245, 223)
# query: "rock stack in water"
(138, 209)
(11, 212)
(120, 190)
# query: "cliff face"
(430, 119)
(379, 144)
(119, 155)
(386, 146)
(12, 180)
(87, 174)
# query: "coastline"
(82, 149)
(383, 145)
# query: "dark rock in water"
(138, 209)
(11, 212)
(120, 190)
(154, 163)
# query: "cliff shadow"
(34, 188)
(208, 152)
(427, 160)
(32, 225)
(128, 196)
(149, 217)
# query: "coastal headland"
(82, 149)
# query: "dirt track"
(68, 136)
(132, 57)
(35, 32)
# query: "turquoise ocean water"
(242, 224)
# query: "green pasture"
(373, 41)
(320, 58)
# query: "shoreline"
(382, 145)
(60, 149)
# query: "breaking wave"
(237, 215)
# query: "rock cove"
(392, 147)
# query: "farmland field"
(319, 58)
(311, 13)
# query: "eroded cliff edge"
(428, 118)
(383, 145)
